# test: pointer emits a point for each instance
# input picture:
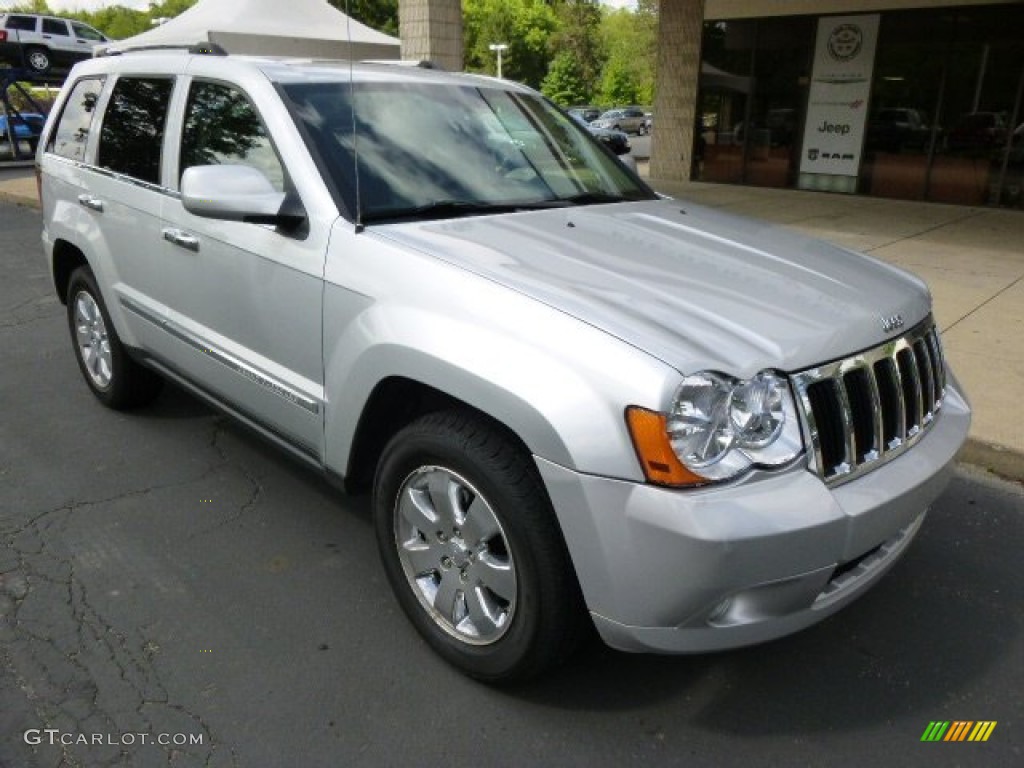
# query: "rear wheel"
(37, 59)
(472, 549)
(117, 381)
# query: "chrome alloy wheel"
(455, 555)
(38, 60)
(92, 339)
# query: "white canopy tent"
(308, 28)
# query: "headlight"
(719, 427)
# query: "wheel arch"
(394, 403)
(66, 259)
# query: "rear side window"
(221, 126)
(133, 127)
(25, 23)
(72, 134)
(55, 27)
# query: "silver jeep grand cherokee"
(574, 401)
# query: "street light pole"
(499, 48)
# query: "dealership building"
(907, 99)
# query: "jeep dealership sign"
(838, 102)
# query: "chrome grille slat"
(901, 381)
(849, 443)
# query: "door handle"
(90, 202)
(182, 239)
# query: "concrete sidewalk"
(972, 258)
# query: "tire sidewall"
(31, 52)
(82, 281)
(496, 660)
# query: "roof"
(270, 27)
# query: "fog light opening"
(720, 611)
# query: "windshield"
(433, 150)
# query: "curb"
(997, 460)
(17, 199)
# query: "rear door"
(123, 194)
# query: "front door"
(245, 300)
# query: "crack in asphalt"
(79, 672)
(256, 487)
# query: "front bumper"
(697, 570)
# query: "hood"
(694, 287)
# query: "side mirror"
(236, 193)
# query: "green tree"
(579, 37)
(618, 84)
(525, 26)
(564, 83)
(630, 40)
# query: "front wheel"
(472, 549)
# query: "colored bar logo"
(959, 730)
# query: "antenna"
(352, 112)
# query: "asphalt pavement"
(167, 577)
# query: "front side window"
(222, 127)
(133, 127)
(55, 27)
(87, 33)
(72, 134)
(469, 150)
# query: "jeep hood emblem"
(892, 323)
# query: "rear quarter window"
(24, 23)
(76, 120)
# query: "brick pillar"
(680, 26)
(432, 29)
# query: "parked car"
(977, 132)
(894, 129)
(627, 119)
(573, 401)
(42, 43)
(25, 129)
(617, 141)
(587, 114)
(23, 125)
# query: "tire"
(38, 59)
(641, 130)
(117, 381)
(458, 505)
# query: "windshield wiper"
(592, 198)
(444, 209)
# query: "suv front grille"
(864, 410)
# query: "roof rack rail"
(202, 49)
(418, 63)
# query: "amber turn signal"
(659, 462)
